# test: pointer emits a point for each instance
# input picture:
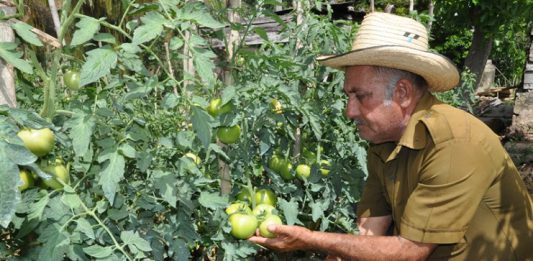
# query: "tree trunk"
(7, 73)
(479, 53)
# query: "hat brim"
(439, 72)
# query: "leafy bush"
(127, 134)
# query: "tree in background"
(483, 26)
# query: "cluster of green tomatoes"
(41, 142)
(283, 166)
(245, 221)
(226, 134)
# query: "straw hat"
(397, 42)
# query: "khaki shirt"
(449, 181)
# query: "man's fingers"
(258, 239)
(278, 229)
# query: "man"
(437, 175)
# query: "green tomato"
(285, 170)
(309, 155)
(72, 79)
(244, 196)
(276, 106)
(269, 220)
(265, 196)
(39, 142)
(262, 210)
(27, 179)
(303, 171)
(229, 135)
(243, 226)
(193, 157)
(58, 171)
(238, 207)
(274, 163)
(214, 108)
(324, 167)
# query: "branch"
(44, 37)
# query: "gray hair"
(394, 75)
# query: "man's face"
(377, 119)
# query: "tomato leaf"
(19, 154)
(98, 251)
(166, 184)
(212, 200)
(203, 63)
(131, 238)
(290, 211)
(201, 123)
(112, 174)
(152, 27)
(24, 30)
(13, 58)
(99, 63)
(28, 119)
(55, 242)
(240, 249)
(197, 12)
(87, 28)
(227, 94)
(316, 211)
(81, 127)
(85, 227)
(181, 250)
(37, 208)
(9, 182)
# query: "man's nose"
(352, 109)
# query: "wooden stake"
(7, 73)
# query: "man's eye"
(361, 96)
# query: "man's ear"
(405, 93)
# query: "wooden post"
(298, 133)
(233, 40)
(279, 7)
(372, 6)
(7, 73)
(188, 66)
(411, 6)
(430, 13)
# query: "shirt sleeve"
(373, 201)
(452, 182)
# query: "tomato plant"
(147, 177)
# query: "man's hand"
(288, 238)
